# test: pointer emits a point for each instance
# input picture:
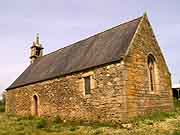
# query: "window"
(87, 85)
(151, 70)
(35, 105)
(37, 52)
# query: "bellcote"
(36, 49)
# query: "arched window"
(35, 105)
(151, 70)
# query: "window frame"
(87, 85)
(92, 82)
(152, 73)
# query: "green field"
(156, 124)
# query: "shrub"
(176, 104)
(57, 120)
(176, 132)
(2, 109)
(2, 106)
(72, 129)
(2, 102)
(41, 123)
(97, 132)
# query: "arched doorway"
(35, 105)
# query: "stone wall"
(140, 99)
(120, 90)
(64, 96)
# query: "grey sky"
(62, 22)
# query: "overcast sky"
(62, 22)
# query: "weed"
(41, 123)
(97, 132)
(176, 132)
(72, 129)
(2, 108)
(56, 120)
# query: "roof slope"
(99, 49)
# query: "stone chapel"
(112, 76)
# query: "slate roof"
(102, 48)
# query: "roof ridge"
(92, 36)
(112, 45)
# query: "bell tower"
(36, 49)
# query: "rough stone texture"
(120, 90)
(140, 99)
(65, 96)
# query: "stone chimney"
(36, 49)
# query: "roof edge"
(87, 68)
(61, 75)
(113, 27)
(137, 29)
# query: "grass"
(160, 123)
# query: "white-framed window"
(87, 83)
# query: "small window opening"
(35, 105)
(37, 52)
(87, 82)
(151, 68)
